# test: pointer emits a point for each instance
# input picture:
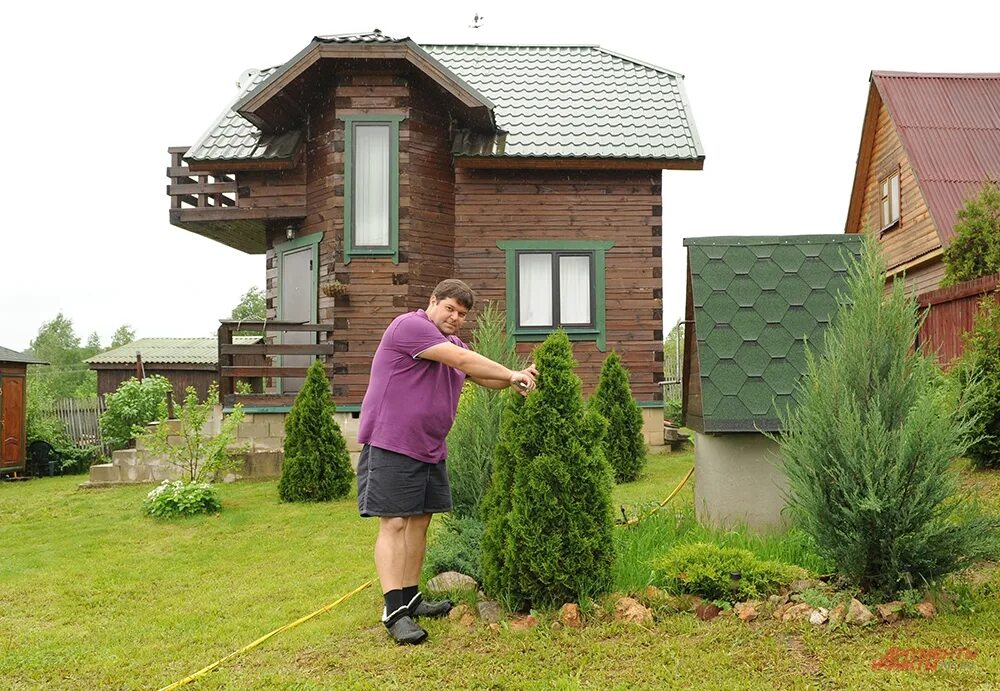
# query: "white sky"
(94, 93)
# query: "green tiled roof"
(757, 300)
(193, 351)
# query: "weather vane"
(476, 21)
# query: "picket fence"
(82, 419)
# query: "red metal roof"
(950, 127)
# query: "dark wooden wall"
(180, 376)
(621, 206)
(951, 314)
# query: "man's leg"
(416, 549)
(390, 564)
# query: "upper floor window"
(889, 189)
(553, 284)
(371, 186)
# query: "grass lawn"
(95, 595)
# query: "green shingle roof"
(547, 101)
(757, 301)
(8, 355)
(194, 351)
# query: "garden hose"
(206, 670)
(678, 488)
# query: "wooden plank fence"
(950, 314)
(82, 419)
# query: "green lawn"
(94, 595)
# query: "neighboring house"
(184, 361)
(928, 143)
(13, 407)
(369, 168)
(752, 305)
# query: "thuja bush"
(868, 444)
(549, 524)
(473, 438)
(722, 573)
(132, 406)
(317, 466)
(624, 445)
(979, 367)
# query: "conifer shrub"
(624, 445)
(317, 466)
(548, 537)
(722, 573)
(975, 250)
(979, 367)
(867, 447)
(473, 438)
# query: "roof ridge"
(937, 75)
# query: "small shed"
(754, 303)
(184, 361)
(13, 407)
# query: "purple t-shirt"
(410, 403)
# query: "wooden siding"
(621, 206)
(915, 234)
(951, 314)
(180, 376)
(271, 189)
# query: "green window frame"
(351, 123)
(596, 249)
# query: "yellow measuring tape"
(206, 670)
(633, 521)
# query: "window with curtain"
(371, 184)
(889, 188)
(555, 289)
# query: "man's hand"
(524, 381)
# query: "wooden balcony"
(213, 205)
(259, 364)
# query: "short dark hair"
(454, 288)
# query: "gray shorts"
(391, 484)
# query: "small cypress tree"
(868, 445)
(979, 367)
(548, 512)
(317, 466)
(624, 445)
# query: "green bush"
(473, 438)
(980, 366)
(868, 445)
(975, 250)
(624, 445)
(179, 498)
(722, 573)
(457, 546)
(133, 406)
(548, 537)
(317, 466)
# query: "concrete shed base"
(739, 481)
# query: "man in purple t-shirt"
(417, 376)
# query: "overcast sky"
(96, 92)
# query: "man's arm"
(478, 368)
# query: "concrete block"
(104, 473)
(253, 430)
(124, 457)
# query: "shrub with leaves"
(868, 445)
(473, 438)
(975, 249)
(317, 466)
(179, 498)
(979, 367)
(132, 406)
(201, 455)
(722, 573)
(549, 524)
(624, 445)
(457, 546)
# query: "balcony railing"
(271, 382)
(189, 190)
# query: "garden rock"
(450, 581)
(489, 611)
(927, 610)
(746, 611)
(837, 615)
(523, 623)
(890, 612)
(627, 609)
(819, 616)
(857, 613)
(654, 594)
(796, 612)
(803, 585)
(707, 611)
(462, 615)
(569, 615)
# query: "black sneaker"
(420, 607)
(405, 632)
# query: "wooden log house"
(14, 408)
(367, 169)
(928, 143)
